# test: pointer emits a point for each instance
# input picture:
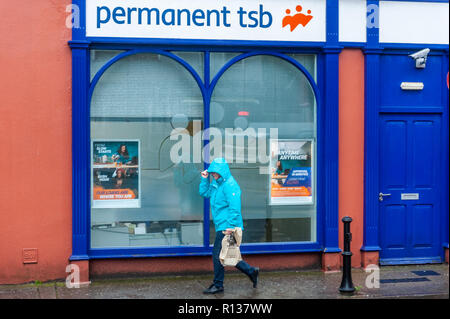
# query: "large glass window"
(255, 95)
(140, 197)
(138, 103)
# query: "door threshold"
(410, 261)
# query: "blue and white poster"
(291, 181)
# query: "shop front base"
(331, 262)
(369, 258)
(190, 265)
(78, 274)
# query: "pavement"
(395, 282)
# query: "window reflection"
(140, 98)
(266, 92)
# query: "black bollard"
(347, 284)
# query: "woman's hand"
(205, 174)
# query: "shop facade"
(317, 107)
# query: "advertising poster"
(291, 172)
(115, 174)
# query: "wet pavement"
(424, 281)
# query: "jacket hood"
(220, 166)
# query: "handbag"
(230, 254)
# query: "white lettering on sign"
(254, 20)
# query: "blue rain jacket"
(224, 195)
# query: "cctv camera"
(421, 54)
(421, 58)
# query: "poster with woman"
(291, 180)
(115, 174)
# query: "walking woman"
(225, 198)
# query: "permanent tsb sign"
(249, 20)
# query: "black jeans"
(219, 270)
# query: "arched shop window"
(140, 197)
(254, 96)
(136, 103)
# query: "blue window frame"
(83, 89)
(327, 130)
(207, 87)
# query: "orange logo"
(297, 19)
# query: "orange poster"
(291, 172)
(115, 174)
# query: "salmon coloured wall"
(196, 264)
(35, 137)
(351, 147)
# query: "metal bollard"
(347, 284)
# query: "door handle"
(381, 196)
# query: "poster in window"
(291, 180)
(115, 174)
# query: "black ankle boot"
(213, 290)
(254, 277)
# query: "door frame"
(372, 111)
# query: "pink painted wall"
(198, 264)
(35, 136)
(351, 147)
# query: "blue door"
(409, 199)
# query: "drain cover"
(425, 273)
(402, 280)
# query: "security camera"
(421, 54)
(421, 58)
